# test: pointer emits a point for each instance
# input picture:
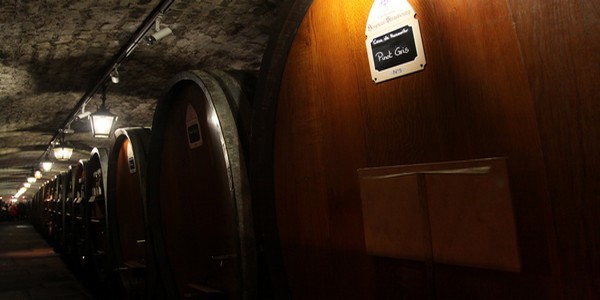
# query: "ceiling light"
(37, 174)
(114, 76)
(102, 120)
(32, 176)
(47, 163)
(20, 192)
(159, 34)
(27, 184)
(63, 150)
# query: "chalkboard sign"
(194, 133)
(394, 45)
(394, 48)
(193, 128)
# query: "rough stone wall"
(52, 52)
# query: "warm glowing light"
(114, 76)
(31, 179)
(47, 165)
(102, 123)
(37, 174)
(63, 153)
(20, 192)
(27, 184)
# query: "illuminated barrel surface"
(484, 92)
(127, 206)
(95, 218)
(81, 194)
(198, 195)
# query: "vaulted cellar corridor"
(297, 149)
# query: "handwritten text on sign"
(394, 48)
(393, 40)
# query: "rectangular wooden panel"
(462, 211)
(393, 220)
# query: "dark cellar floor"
(30, 269)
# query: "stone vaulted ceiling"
(53, 52)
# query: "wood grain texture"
(560, 49)
(126, 204)
(130, 209)
(516, 79)
(316, 158)
(468, 220)
(197, 190)
(197, 216)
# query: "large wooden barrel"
(59, 217)
(46, 201)
(69, 243)
(96, 217)
(126, 203)
(198, 194)
(51, 205)
(81, 194)
(37, 210)
(35, 214)
(493, 86)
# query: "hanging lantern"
(102, 120)
(47, 163)
(63, 151)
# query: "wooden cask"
(59, 217)
(483, 93)
(96, 217)
(197, 189)
(126, 203)
(37, 210)
(53, 209)
(81, 195)
(69, 193)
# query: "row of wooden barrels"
(173, 201)
(247, 189)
